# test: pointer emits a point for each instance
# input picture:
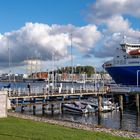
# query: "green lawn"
(18, 129)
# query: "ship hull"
(125, 75)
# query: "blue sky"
(40, 27)
(15, 13)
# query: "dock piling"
(22, 109)
(99, 103)
(34, 109)
(121, 102)
(137, 103)
(43, 109)
(52, 108)
(62, 108)
(99, 118)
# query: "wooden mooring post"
(52, 108)
(99, 118)
(99, 103)
(34, 109)
(22, 109)
(61, 108)
(121, 102)
(137, 103)
(34, 106)
(43, 109)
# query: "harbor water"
(129, 120)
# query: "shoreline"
(70, 124)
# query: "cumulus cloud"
(41, 40)
(117, 24)
(112, 15)
(85, 37)
(102, 10)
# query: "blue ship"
(124, 68)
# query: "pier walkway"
(22, 96)
(16, 93)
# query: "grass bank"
(19, 129)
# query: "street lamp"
(138, 77)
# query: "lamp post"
(138, 77)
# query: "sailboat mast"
(71, 61)
(9, 59)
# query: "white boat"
(106, 108)
(93, 104)
(81, 82)
(107, 105)
(78, 108)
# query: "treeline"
(89, 70)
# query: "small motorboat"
(78, 108)
(80, 81)
(106, 108)
(107, 105)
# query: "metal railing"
(125, 89)
(36, 91)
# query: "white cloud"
(85, 37)
(111, 14)
(102, 10)
(117, 24)
(40, 40)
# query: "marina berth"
(107, 105)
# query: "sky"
(49, 29)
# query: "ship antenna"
(139, 39)
(124, 39)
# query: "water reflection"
(99, 118)
(126, 120)
(121, 119)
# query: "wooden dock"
(35, 93)
(43, 96)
